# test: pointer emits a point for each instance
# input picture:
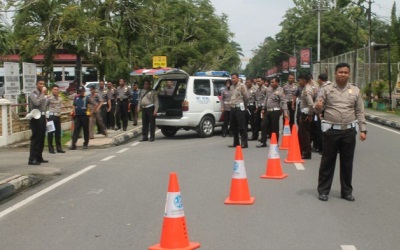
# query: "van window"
(219, 85)
(202, 87)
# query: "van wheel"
(169, 131)
(206, 127)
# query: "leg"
(328, 161)
(152, 121)
(145, 124)
(274, 125)
(234, 126)
(346, 149)
(57, 125)
(85, 125)
(50, 136)
(242, 126)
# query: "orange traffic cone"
(274, 168)
(174, 234)
(294, 155)
(240, 193)
(286, 136)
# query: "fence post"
(5, 107)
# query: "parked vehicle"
(195, 103)
(90, 84)
(2, 89)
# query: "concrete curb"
(383, 121)
(16, 184)
(118, 140)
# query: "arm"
(155, 96)
(359, 110)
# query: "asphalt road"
(114, 199)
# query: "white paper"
(50, 127)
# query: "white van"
(194, 103)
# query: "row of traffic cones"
(174, 233)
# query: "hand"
(363, 136)
(319, 105)
(155, 114)
(44, 90)
(308, 118)
(286, 116)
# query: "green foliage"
(379, 87)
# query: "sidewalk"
(16, 174)
(384, 118)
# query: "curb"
(383, 121)
(16, 184)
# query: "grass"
(65, 137)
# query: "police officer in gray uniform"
(275, 102)
(54, 104)
(226, 106)
(261, 93)
(251, 105)
(239, 99)
(123, 95)
(343, 107)
(289, 90)
(38, 100)
(307, 112)
(148, 103)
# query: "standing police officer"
(148, 103)
(103, 109)
(38, 100)
(226, 107)
(123, 95)
(251, 105)
(54, 104)
(260, 95)
(289, 90)
(343, 107)
(275, 102)
(112, 102)
(239, 99)
(134, 102)
(306, 117)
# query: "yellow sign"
(159, 62)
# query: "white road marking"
(348, 247)
(382, 127)
(122, 150)
(135, 144)
(108, 158)
(95, 191)
(299, 166)
(44, 191)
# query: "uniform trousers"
(96, 118)
(334, 141)
(38, 128)
(251, 117)
(257, 123)
(316, 130)
(304, 136)
(148, 121)
(239, 126)
(122, 113)
(111, 116)
(270, 124)
(56, 133)
(81, 121)
(292, 112)
(225, 126)
(103, 114)
(134, 113)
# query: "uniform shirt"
(238, 94)
(261, 93)
(315, 87)
(123, 92)
(226, 99)
(252, 95)
(290, 90)
(54, 104)
(111, 94)
(306, 100)
(94, 101)
(275, 99)
(37, 100)
(342, 106)
(148, 97)
(103, 94)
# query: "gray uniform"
(226, 99)
(306, 109)
(252, 95)
(54, 104)
(307, 100)
(123, 93)
(275, 100)
(239, 100)
(261, 93)
(239, 95)
(37, 100)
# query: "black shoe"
(72, 148)
(151, 139)
(98, 133)
(348, 197)
(323, 197)
(33, 163)
(43, 161)
(144, 139)
(316, 150)
(224, 135)
(232, 146)
(135, 124)
(85, 147)
(124, 129)
(245, 146)
(60, 151)
(306, 156)
(51, 151)
(262, 145)
(253, 139)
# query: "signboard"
(285, 67)
(11, 78)
(159, 62)
(305, 58)
(28, 77)
(292, 63)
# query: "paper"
(50, 127)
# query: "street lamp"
(386, 46)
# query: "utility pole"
(319, 10)
(369, 42)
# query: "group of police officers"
(332, 113)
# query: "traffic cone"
(240, 193)
(286, 136)
(294, 155)
(174, 234)
(274, 168)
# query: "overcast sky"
(254, 20)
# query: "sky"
(253, 20)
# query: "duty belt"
(55, 114)
(235, 106)
(147, 106)
(343, 126)
(272, 109)
(251, 104)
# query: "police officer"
(343, 106)
(317, 141)
(112, 102)
(38, 100)
(103, 109)
(123, 95)
(275, 102)
(251, 105)
(289, 89)
(260, 95)
(148, 103)
(54, 104)
(95, 115)
(306, 116)
(239, 99)
(226, 106)
(134, 101)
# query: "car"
(195, 103)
